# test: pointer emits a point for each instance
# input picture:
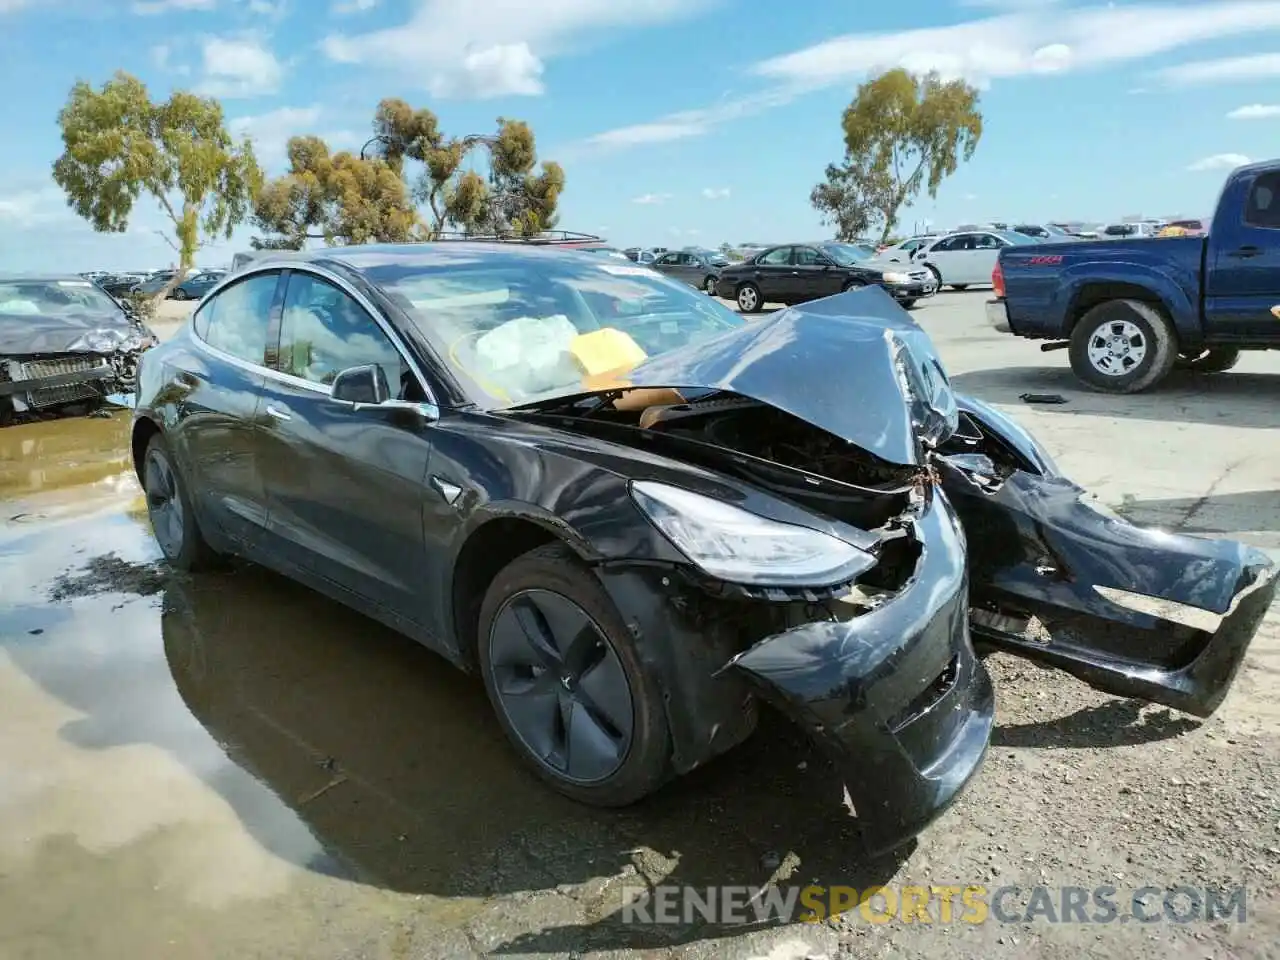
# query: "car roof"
(454, 252)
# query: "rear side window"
(778, 257)
(1263, 206)
(236, 321)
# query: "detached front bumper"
(895, 695)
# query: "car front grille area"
(39, 369)
(35, 370)
(70, 393)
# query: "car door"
(813, 274)
(668, 265)
(945, 256)
(986, 251)
(1242, 282)
(220, 382)
(771, 272)
(345, 484)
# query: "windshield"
(53, 298)
(847, 254)
(1013, 237)
(523, 329)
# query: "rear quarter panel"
(1046, 284)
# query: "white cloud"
(28, 208)
(490, 48)
(1219, 161)
(270, 131)
(715, 193)
(239, 67)
(1226, 70)
(1024, 42)
(341, 8)
(649, 199)
(1255, 111)
(152, 7)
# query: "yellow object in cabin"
(604, 356)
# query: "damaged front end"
(40, 372)
(847, 425)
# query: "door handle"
(1246, 252)
(276, 413)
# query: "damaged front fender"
(895, 695)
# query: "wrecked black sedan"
(64, 342)
(638, 516)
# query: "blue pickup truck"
(1129, 311)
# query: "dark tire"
(1123, 346)
(172, 519)
(749, 298)
(1213, 360)
(852, 285)
(579, 685)
(178, 294)
(709, 285)
(960, 286)
(907, 304)
(937, 274)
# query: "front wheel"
(179, 294)
(749, 299)
(1123, 346)
(1213, 360)
(570, 689)
(173, 521)
(907, 304)
(709, 285)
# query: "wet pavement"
(230, 765)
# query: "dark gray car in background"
(695, 267)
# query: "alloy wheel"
(164, 503)
(748, 299)
(561, 686)
(1117, 348)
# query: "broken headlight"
(733, 544)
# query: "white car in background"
(901, 252)
(960, 260)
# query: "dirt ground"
(230, 766)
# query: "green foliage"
(902, 133)
(346, 199)
(119, 145)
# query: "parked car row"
(118, 285)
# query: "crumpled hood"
(854, 365)
(23, 333)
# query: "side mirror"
(361, 385)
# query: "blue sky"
(678, 121)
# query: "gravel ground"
(230, 766)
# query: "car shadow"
(394, 762)
(1232, 399)
(1116, 723)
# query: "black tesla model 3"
(637, 515)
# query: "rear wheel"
(959, 286)
(749, 299)
(907, 304)
(169, 507)
(1123, 346)
(569, 687)
(1213, 360)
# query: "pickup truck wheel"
(1213, 360)
(1123, 346)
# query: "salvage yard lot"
(230, 766)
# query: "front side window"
(323, 331)
(776, 258)
(236, 321)
(808, 257)
(669, 259)
(1263, 207)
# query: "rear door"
(1242, 277)
(218, 439)
(345, 486)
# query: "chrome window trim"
(253, 269)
